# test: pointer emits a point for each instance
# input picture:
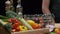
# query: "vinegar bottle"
(19, 8)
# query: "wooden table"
(57, 25)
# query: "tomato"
(58, 32)
(15, 25)
(10, 20)
(18, 29)
(35, 26)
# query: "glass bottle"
(7, 4)
(12, 7)
(19, 9)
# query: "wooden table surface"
(57, 25)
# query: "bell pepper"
(23, 28)
(35, 26)
(18, 28)
(56, 29)
(58, 32)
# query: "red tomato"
(15, 25)
(35, 26)
(16, 21)
(13, 20)
(17, 29)
(10, 20)
(58, 32)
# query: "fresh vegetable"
(5, 20)
(18, 28)
(7, 26)
(15, 25)
(11, 14)
(23, 28)
(58, 32)
(3, 17)
(13, 20)
(26, 24)
(33, 24)
(56, 29)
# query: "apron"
(55, 9)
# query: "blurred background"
(29, 7)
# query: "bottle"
(19, 9)
(12, 7)
(7, 4)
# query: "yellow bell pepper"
(23, 28)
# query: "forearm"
(45, 6)
(46, 11)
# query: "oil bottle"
(19, 9)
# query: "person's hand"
(49, 18)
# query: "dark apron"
(55, 9)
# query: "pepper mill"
(8, 4)
(12, 7)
